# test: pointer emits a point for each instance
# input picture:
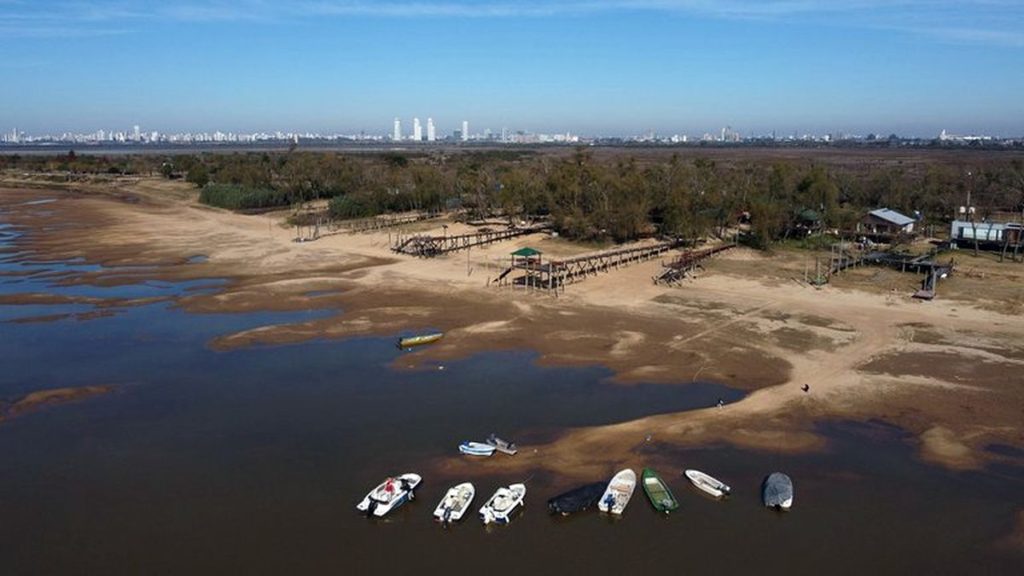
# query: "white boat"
(390, 494)
(455, 503)
(618, 493)
(476, 448)
(503, 446)
(708, 483)
(502, 504)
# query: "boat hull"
(707, 483)
(419, 340)
(658, 492)
(476, 449)
(455, 503)
(502, 446)
(777, 491)
(505, 501)
(382, 500)
(577, 500)
(616, 497)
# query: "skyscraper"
(136, 134)
(431, 133)
(417, 130)
(465, 130)
(397, 134)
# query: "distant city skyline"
(601, 68)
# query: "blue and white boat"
(389, 494)
(476, 448)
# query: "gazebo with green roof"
(527, 252)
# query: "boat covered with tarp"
(777, 491)
(577, 499)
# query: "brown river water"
(251, 461)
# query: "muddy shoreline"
(864, 355)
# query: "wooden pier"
(384, 221)
(920, 264)
(674, 272)
(315, 226)
(555, 274)
(429, 246)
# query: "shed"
(886, 221)
(987, 232)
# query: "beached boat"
(618, 493)
(390, 494)
(777, 491)
(455, 503)
(500, 506)
(502, 446)
(420, 340)
(708, 483)
(577, 500)
(658, 492)
(476, 448)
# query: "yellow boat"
(419, 340)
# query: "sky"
(592, 67)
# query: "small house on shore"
(884, 221)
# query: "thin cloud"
(993, 22)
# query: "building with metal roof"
(886, 221)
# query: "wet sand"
(944, 370)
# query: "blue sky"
(593, 67)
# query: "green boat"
(419, 340)
(661, 497)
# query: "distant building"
(417, 130)
(396, 135)
(886, 221)
(465, 130)
(431, 133)
(965, 231)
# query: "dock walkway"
(674, 272)
(426, 246)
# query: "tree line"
(587, 195)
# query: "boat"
(503, 446)
(777, 491)
(420, 340)
(502, 504)
(658, 492)
(707, 483)
(476, 448)
(390, 494)
(577, 499)
(618, 493)
(455, 503)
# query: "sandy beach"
(947, 371)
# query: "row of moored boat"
(610, 497)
